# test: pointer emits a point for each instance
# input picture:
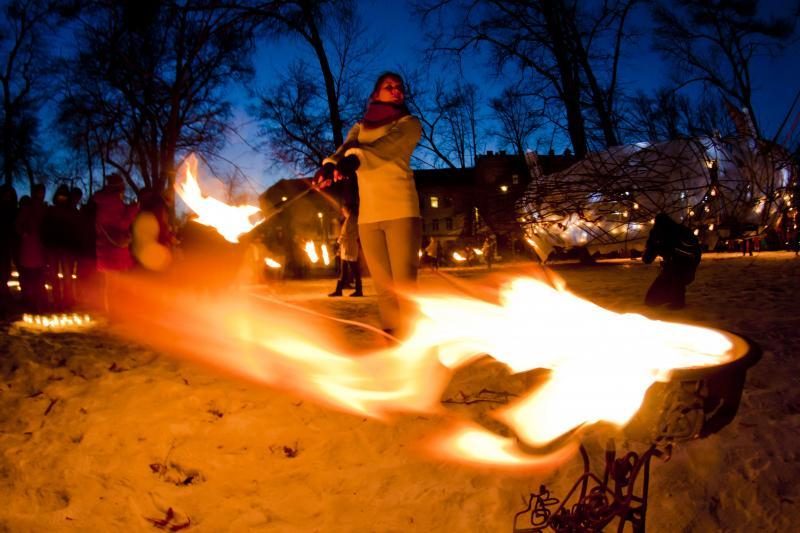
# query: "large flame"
(230, 221)
(597, 364)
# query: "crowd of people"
(59, 253)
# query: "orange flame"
(326, 258)
(311, 251)
(271, 263)
(230, 221)
(586, 350)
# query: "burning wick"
(56, 321)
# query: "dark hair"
(61, 194)
(383, 76)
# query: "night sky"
(777, 80)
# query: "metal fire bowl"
(695, 402)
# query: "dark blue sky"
(776, 80)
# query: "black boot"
(357, 292)
(338, 291)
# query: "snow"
(100, 432)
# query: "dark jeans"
(31, 281)
(668, 288)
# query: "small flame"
(271, 263)
(326, 258)
(230, 221)
(55, 322)
(311, 251)
(458, 257)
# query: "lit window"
(434, 201)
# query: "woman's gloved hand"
(348, 165)
(324, 176)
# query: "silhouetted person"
(86, 263)
(489, 250)
(8, 216)
(348, 252)
(31, 250)
(113, 220)
(433, 251)
(680, 251)
(61, 238)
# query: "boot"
(338, 291)
(357, 292)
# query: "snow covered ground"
(102, 433)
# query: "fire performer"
(378, 150)
(679, 248)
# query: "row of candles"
(57, 321)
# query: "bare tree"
(451, 121)
(23, 63)
(518, 117)
(302, 119)
(147, 84)
(573, 49)
(714, 43)
(298, 132)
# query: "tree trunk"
(570, 80)
(315, 40)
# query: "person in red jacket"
(113, 220)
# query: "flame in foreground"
(598, 364)
(271, 263)
(230, 221)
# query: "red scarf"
(381, 113)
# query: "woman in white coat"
(378, 151)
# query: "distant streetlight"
(504, 188)
(283, 198)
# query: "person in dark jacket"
(61, 235)
(8, 216)
(680, 251)
(32, 260)
(348, 252)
